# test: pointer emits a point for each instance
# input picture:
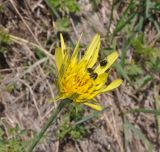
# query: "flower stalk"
(50, 121)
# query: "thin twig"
(13, 4)
(32, 94)
(22, 41)
(74, 28)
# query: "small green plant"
(69, 6)
(134, 70)
(67, 128)
(61, 9)
(38, 53)
(5, 40)
(1, 8)
(149, 54)
(11, 87)
(153, 64)
(137, 15)
(62, 25)
(13, 141)
(142, 47)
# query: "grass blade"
(49, 4)
(157, 102)
(123, 21)
(122, 72)
(156, 112)
(138, 133)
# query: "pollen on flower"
(79, 82)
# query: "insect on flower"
(103, 62)
(78, 80)
(94, 75)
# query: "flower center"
(77, 80)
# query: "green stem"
(49, 3)
(48, 123)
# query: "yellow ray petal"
(114, 84)
(92, 47)
(63, 47)
(58, 58)
(110, 60)
(59, 53)
(93, 106)
(101, 78)
(75, 52)
(94, 57)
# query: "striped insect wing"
(94, 75)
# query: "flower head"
(79, 78)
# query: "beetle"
(103, 62)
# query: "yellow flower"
(80, 79)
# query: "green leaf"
(39, 54)
(122, 72)
(156, 112)
(52, 4)
(153, 64)
(5, 40)
(62, 25)
(134, 70)
(149, 5)
(125, 18)
(122, 23)
(72, 6)
(91, 116)
(137, 44)
(157, 103)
